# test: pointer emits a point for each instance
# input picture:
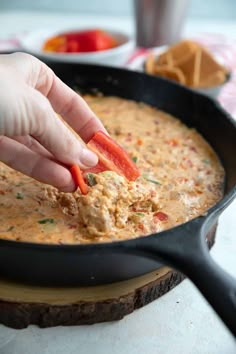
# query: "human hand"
(33, 139)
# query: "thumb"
(47, 128)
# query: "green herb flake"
(91, 179)
(139, 214)
(135, 159)
(47, 221)
(10, 228)
(19, 196)
(207, 162)
(152, 181)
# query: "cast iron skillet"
(183, 247)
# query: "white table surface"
(180, 322)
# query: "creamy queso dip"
(181, 177)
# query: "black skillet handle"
(185, 248)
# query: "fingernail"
(88, 158)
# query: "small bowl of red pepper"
(84, 45)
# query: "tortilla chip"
(178, 52)
(150, 64)
(216, 79)
(170, 73)
(188, 63)
(209, 66)
(165, 59)
(190, 67)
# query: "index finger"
(68, 104)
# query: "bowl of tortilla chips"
(189, 64)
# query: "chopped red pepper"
(128, 139)
(71, 227)
(139, 142)
(78, 179)
(141, 227)
(112, 157)
(173, 142)
(160, 216)
(192, 148)
(189, 163)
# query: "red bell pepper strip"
(112, 157)
(73, 46)
(78, 179)
(56, 44)
(92, 40)
(82, 41)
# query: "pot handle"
(185, 248)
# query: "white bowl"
(138, 65)
(33, 43)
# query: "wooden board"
(22, 305)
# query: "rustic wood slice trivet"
(22, 305)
